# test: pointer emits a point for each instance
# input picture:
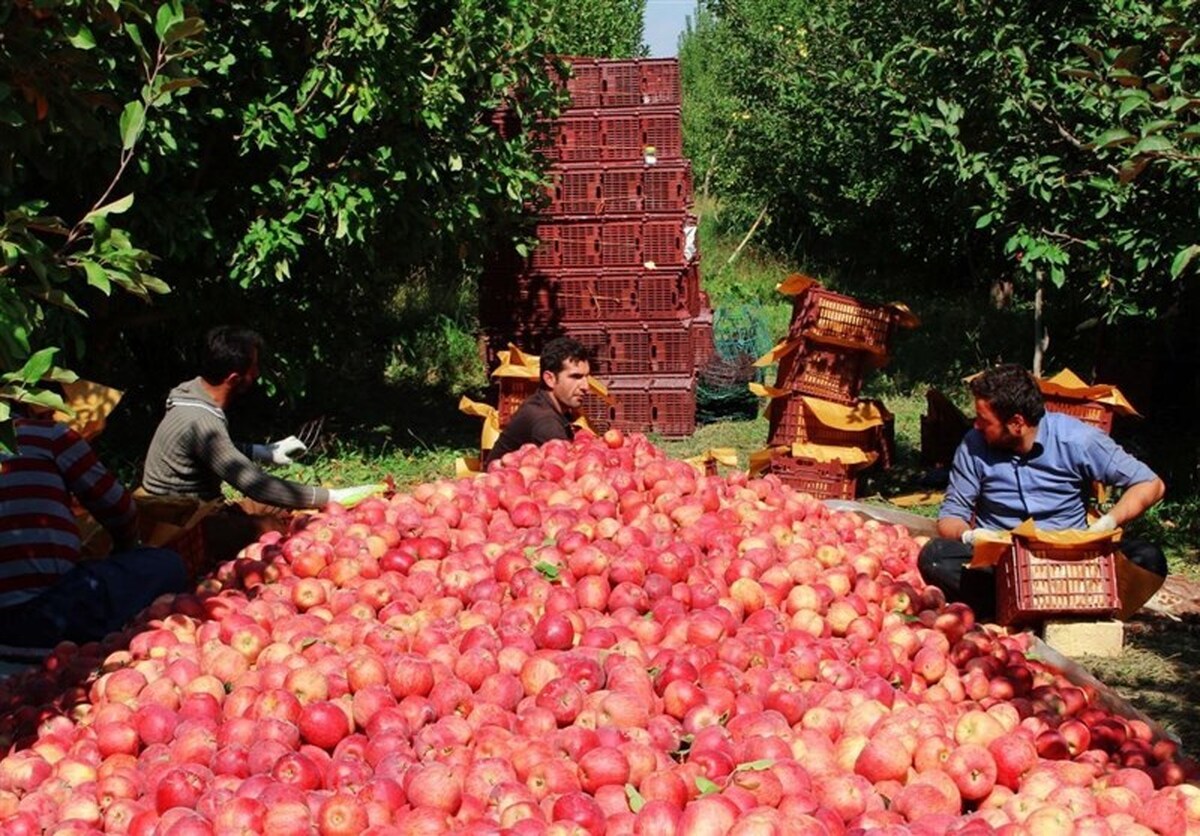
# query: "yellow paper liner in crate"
(706, 463)
(91, 404)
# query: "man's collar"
(1038, 447)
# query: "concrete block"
(1075, 638)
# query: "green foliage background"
(325, 172)
(949, 149)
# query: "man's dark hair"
(1010, 390)
(228, 350)
(558, 351)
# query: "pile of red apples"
(589, 638)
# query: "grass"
(1157, 674)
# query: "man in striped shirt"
(46, 592)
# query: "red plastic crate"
(513, 391)
(575, 190)
(827, 372)
(697, 299)
(614, 135)
(667, 187)
(1098, 415)
(1035, 585)
(604, 82)
(662, 131)
(665, 405)
(584, 296)
(584, 82)
(660, 81)
(661, 294)
(630, 242)
(623, 138)
(822, 480)
(567, 243)
(625, 188)
(621, 242)
(573, 137)
(621, 83)
(506, 123)
(661, 348)
(831, 317)
(662, 242)
(622, 188)
(790, 421)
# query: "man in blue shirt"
(1021, 462)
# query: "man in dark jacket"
(547, 414)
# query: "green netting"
(740, 336)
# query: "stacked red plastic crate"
(833, 342)
(615, 265)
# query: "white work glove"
(1105, 523)
(349, 497)
(968, 536)
(278, 452)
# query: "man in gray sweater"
(192, 454)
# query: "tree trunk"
(749, 235)
(1041, 338)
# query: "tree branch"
(1062, 236)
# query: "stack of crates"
(838, 341)
(616, 263)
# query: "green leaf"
(1157, 126)
(1135, 100)
(115, 208)
(984, 220)
(179, 84)
(35, 367)
(189, 27)
(133, 119)
(706, 786)
(60, 299)
(1113, 136)
(168, 15)
(154, 285)
(1153, 145)
(60, 375)
(1182, 259)
(79, 36)
(549, 570)
(755, 766)
(636, 801)
(96, 276)
(50, 400)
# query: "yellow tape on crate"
(717, 455)
(856, 417)
(92, 403)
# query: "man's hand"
(1107, 522)
(279, 452)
